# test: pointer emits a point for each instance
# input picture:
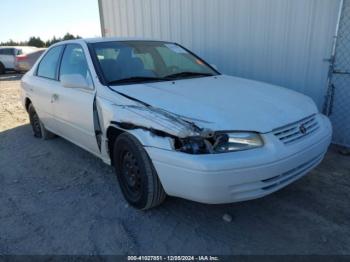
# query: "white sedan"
(170, 123)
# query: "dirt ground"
(55, 198)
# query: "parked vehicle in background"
(25, 62)
(9, 54)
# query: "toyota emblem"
(302, 129)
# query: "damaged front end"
(185, 136)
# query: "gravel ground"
(55, 198)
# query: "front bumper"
(239, 176)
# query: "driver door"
(73, 107)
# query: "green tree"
(68, 36)
(52, 41)
(36, 41)
(55, 40)
(9, 43)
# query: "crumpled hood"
(225, 102)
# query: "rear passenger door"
(43, 85)
(73, 107)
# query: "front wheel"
(137, 177)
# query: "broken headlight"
(237, 141)
(219, 143)
(192, 145)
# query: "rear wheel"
(38, 128)
(137, 177)
(2, 69)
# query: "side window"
(74, 61)
(7, 51)
(48, 65)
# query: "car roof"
(112, 39)
(106, 39)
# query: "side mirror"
(214, 66)
(74, 81)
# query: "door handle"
(54, 98)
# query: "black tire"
(2, 69)
(39, 131)
(136, 174)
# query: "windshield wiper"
(140, 79)
(187, 74)
(135, 79)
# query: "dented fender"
(152, 127)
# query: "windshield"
(142, 61)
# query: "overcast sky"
(20, 19)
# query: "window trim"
(57, 66)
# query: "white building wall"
(283, 42)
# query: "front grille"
(298, 130)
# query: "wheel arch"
(27, 102)
(112, 134)
(145, 137)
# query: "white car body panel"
(228, 103)
(220, 103)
